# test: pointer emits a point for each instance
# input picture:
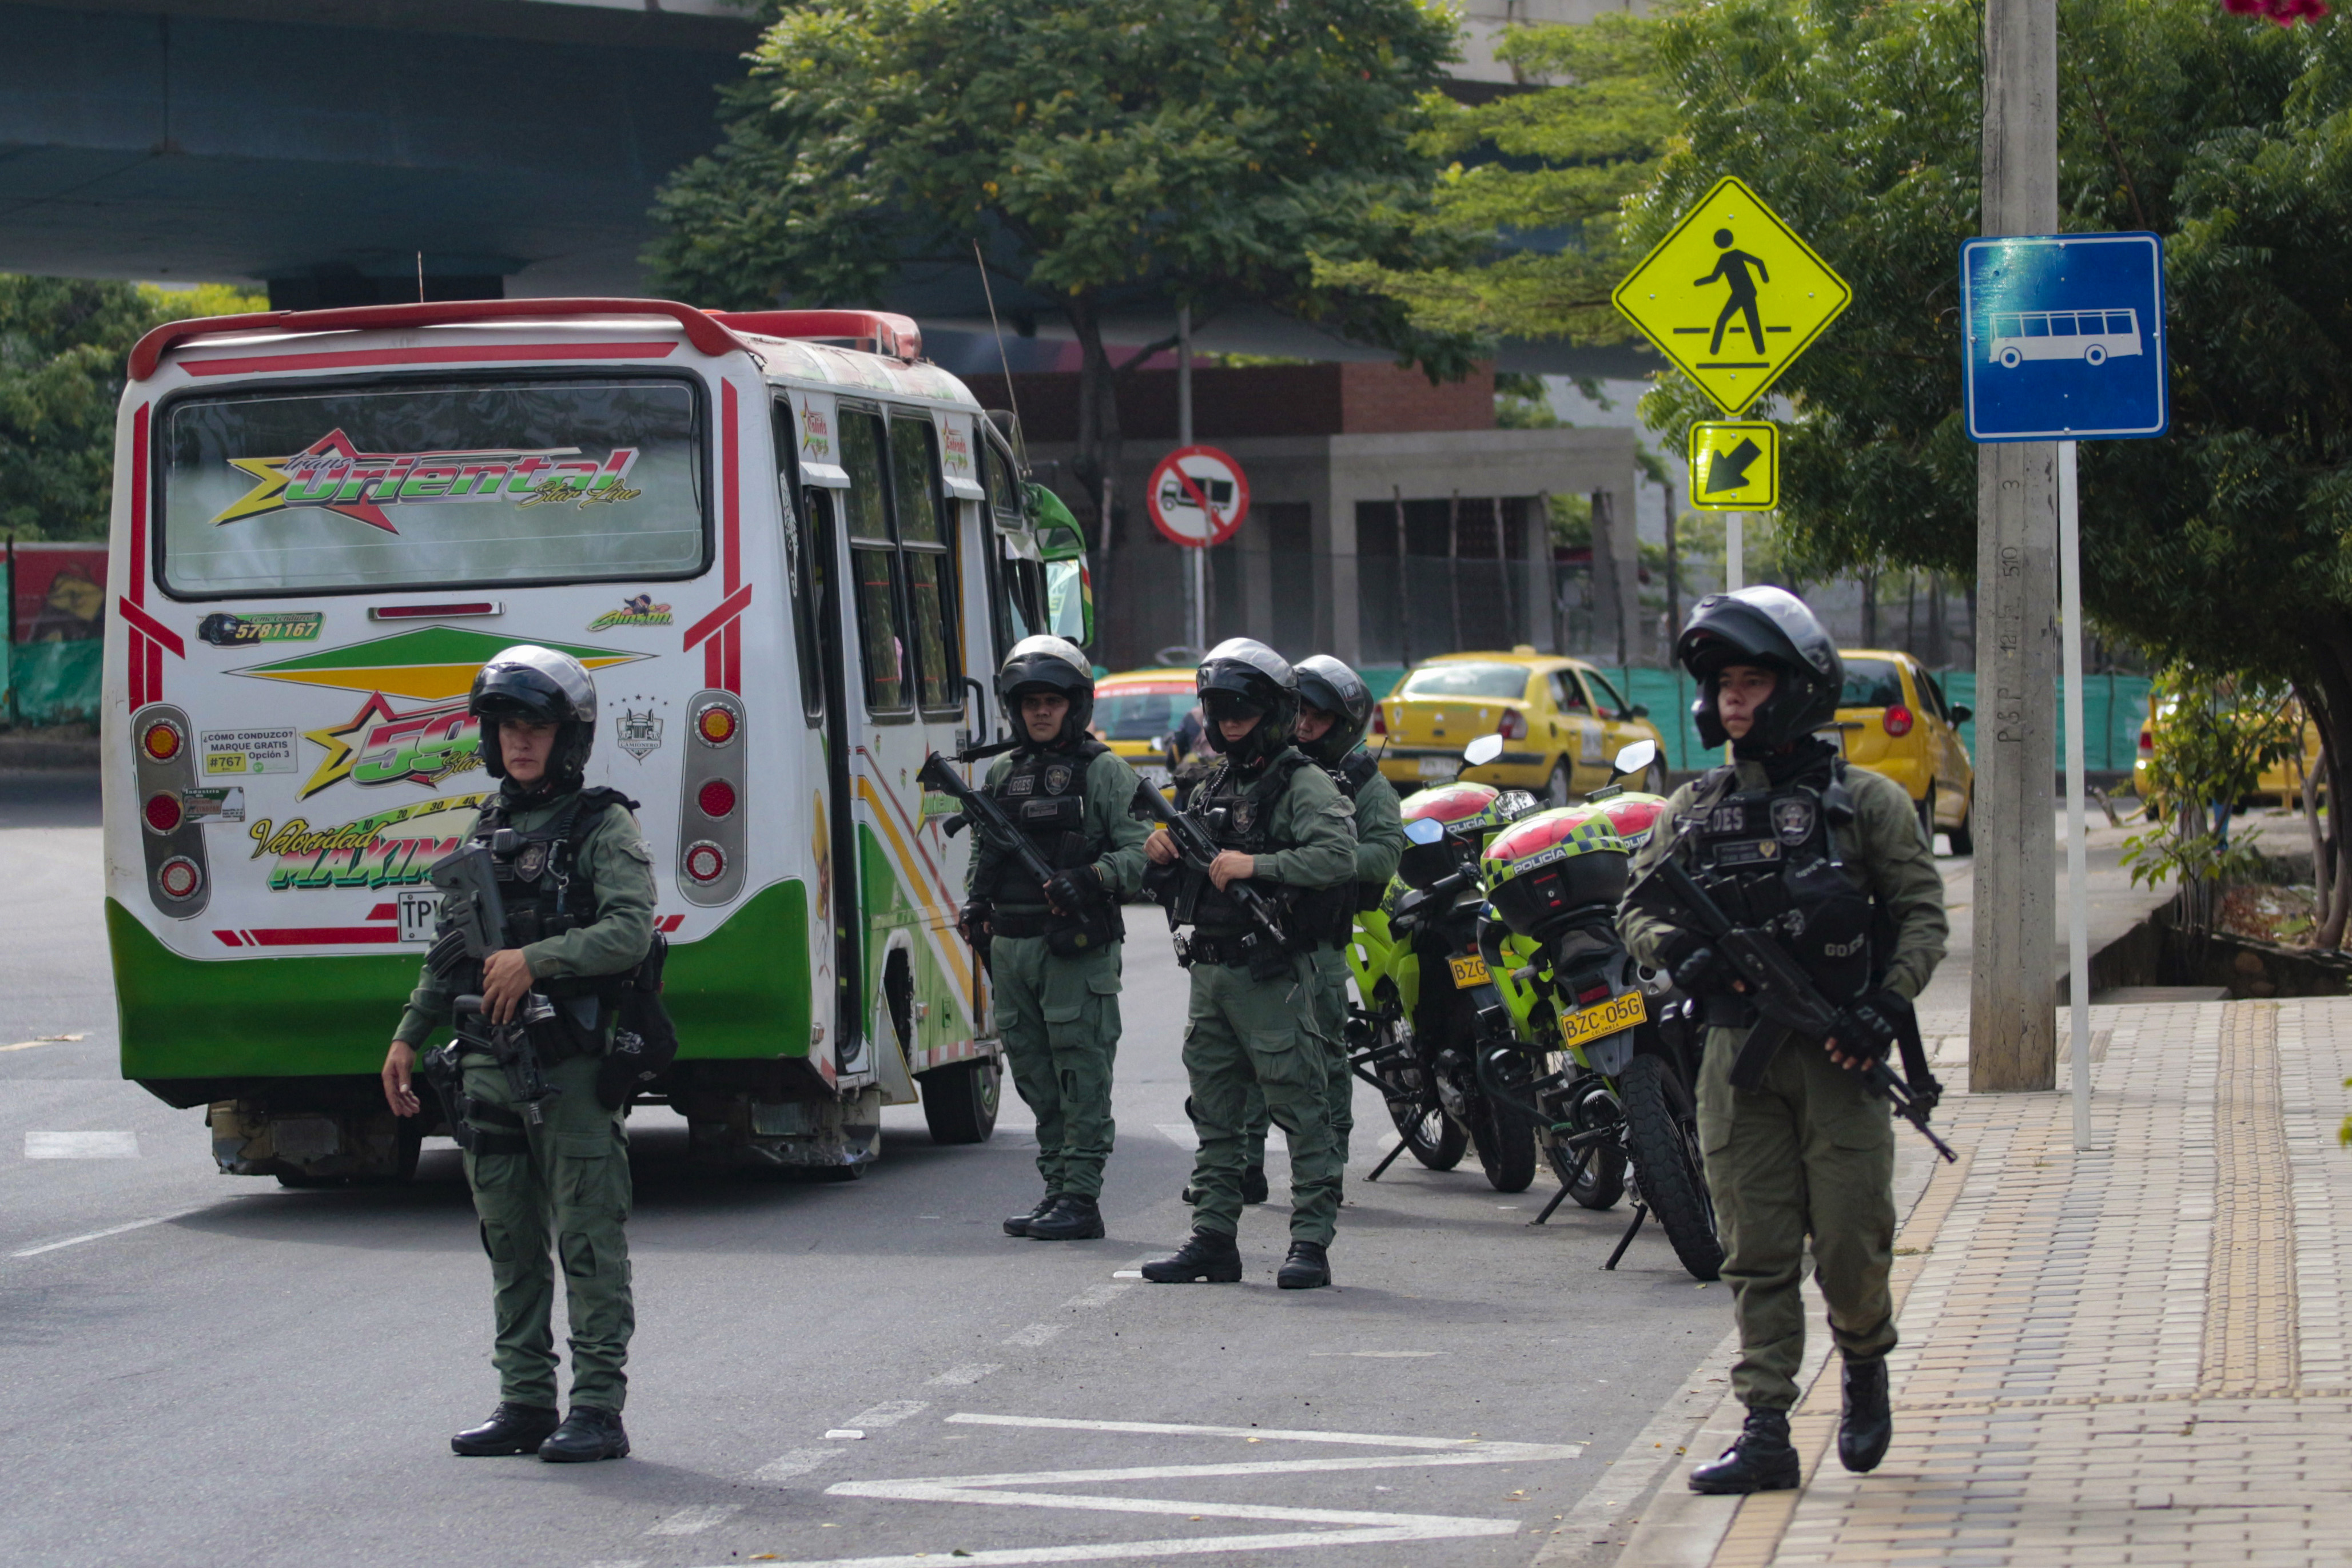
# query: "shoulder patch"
(637, 849)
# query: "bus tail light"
(1898, 720)
(712, 821)
(163, 769)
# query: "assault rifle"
(1084, 930)
(475, 916)
(1783, 993)
(1267, 946)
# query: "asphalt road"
(204, 1368)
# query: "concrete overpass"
(323, 147)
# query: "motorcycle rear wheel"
(1431, 1136)
(1661, 1129)
(1506, 1137)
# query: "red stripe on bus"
(139, 505)
(323, 936)
(731, 479)
(152, 628)
(241, 364)
(155, 671)
(732, 605)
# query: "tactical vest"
(1044, 794)
(1239, 814)
(1356, 770)
(547, 892)
(1770, 857)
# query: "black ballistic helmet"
(1048, 664)
(1772, 628)
(1324, 682)
(539, 686)
(1243, 676)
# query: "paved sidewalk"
(2133, 1355)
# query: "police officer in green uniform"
(577, 882)
(1836, 854)
(1334, 708)
(1255, 1015)
(1057, 1013)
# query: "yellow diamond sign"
(1732, 296)
(1734, 466)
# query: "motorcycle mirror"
(1634, 758)
(1482, 751)
(1424, 831)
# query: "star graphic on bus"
(347, 471)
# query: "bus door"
(807, 483)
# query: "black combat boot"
(1072, 1217)
(586, 1433)
(1760, 1460)
(1019, 1224)
(1253, 1183)
(1206, 1256)
(1868, 1424)
(511, 1429)
(1307, 1268)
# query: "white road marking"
(847, 1434)
(889, 1413)
(1338, 1527)
(1180, 1133)
(44, 1040)
(1378, 1355)
(625, 1563)
(960, 1376)
(1101, 1295)
(1035, 1335)
(695, 1520)
(81, 1146)
(102, 1234)
(1127, 1274)
(798, 1462)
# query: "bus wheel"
(2010, 359)
(2094, 355)
(959, 1099)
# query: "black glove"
(1691, 962)
(1871, 1027)
(971, 921)
(1075, 890)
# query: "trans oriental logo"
(333, 475)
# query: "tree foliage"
(63, 342)
(1094, 150)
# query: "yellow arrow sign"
(1734, 466)
(1732, 296)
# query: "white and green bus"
(790, 552)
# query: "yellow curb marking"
(2251, 1345)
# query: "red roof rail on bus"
(890, 333)
(703, 329)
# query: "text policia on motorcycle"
(1785, 844)
(1262, 868)
(1047, 874)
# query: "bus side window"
(874, 562)
(804, 568)
(925, 530)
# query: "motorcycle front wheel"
(1504, 1133)
(1661, 1130)
(1429, 1135)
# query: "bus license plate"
(1603, 1019)
(1469, 971)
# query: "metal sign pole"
(2078, 909)
(1735, 552)
(1198, 566)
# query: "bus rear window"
(427, 486)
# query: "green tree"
(1096, 151)
(62, 345)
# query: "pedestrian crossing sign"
(1734, 466)
(1732, 296)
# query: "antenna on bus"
(1020, 435)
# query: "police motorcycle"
(1617, 1047)
(1430, 1031)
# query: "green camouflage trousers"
(570, 1193)
(1332, 1017)
(1809, 1154)
(1058, 1018)
(1243, 1036)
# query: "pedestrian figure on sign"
(1731, 270)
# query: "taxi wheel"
(1562, 787)
(1927, 817)
(1964, 836)
(1654, 782)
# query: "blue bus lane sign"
(2066, 337)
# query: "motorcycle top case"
(1553, 865)
(1465, 811)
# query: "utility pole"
(2013, 1023)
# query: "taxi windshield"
(1503, 680)
(1147, 715)
(1872, 683)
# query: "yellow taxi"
(1893, 719)
(1135, 715)
(2281, 783)
(1561, 721)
